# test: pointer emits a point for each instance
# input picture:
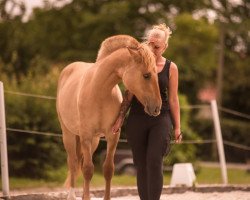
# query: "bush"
(33, 155)
(183, 152)
(236, 131)
(233, 130)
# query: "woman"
(148, 136)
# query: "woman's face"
(156, 42)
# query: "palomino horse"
(89, 100)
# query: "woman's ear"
(166, 46)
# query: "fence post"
(3, 142)
(219, 141)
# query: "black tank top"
(163, 80)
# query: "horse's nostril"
(157, 109)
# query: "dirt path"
(205, 192)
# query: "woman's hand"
(178, 136)
(117, 125)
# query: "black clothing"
(149, 138)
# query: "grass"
(205, 175)
(211, 175)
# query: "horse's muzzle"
(153, 110)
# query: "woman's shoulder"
(170, 62)
(173, 66)
(173, 69)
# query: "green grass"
(209, 175)
(205, 175)
(24, 183)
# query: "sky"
(39, 3)
(30, 4)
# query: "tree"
(231, 18)
(193, 48)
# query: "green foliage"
(236, 82)
(236, 131)
(233, 130)
(32, 155)
(193, 49)
(183, 152)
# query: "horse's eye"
(147, 75)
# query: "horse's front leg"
(108, 165)
(88, 167)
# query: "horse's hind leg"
(108, 165)
(70, 144)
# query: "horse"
(89, 100)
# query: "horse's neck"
(109, 71)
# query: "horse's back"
(72, 73)
(67, 94)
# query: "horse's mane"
(147, 55)
(114, 43)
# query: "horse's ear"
(134, 52)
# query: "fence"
(214, 109)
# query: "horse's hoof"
(71, 198)
(87, 198)
(71, 195)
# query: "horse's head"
(140, 78)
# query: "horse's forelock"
(148, 57)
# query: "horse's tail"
(79, 162)
(114, 43)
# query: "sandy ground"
(205, 192)
(235, 195)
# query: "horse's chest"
(100, 116)
(98, 112)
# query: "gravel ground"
(205, 192)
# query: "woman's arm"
(174, 101)
(127, 98)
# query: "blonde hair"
(163, 27)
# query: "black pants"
(149, 138)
